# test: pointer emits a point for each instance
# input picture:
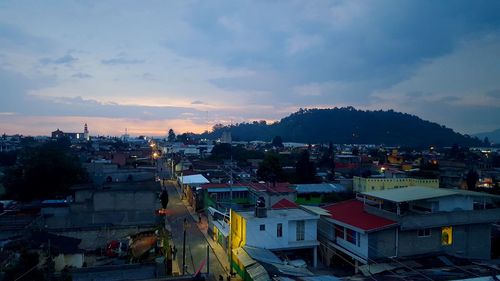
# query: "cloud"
(198, 102)
(14, 38)
(493, 94)
(118, 61)
(250, 60)
(299, 43)
(81, 75)
(65, 60)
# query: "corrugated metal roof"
(414, 193)
(192, 179)
(319, 188)
(258, 273)
(243, 257)
(263, 255)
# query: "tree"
(471, 179)
(305, 169)
(43, 172)
(277, 142)
(270, 168)
(171, 135)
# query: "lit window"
(426, 232)
(279, 230)
(262, 227)
(446, 235)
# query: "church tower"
(86, 132)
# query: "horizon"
(151, 66)
(165, 134)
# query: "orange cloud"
(44, 125)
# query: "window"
(339, 231)
(446, 235)
(300, 230)
(262, 227)
(351, 236)
(426, 232)
(279, 230)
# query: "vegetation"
(42, 172)
(271, 169)
(348, 125)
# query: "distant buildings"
(72, 136)
(361, 184)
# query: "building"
(409, 221)
(72, 136)
(361, 184)
(283, 228)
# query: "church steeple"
(86, 132)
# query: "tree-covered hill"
(348, 125)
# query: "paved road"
(196, 243)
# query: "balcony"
(438, 219)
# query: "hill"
(348, 125)
(493, 136)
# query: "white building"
(285, 228)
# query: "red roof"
(351, 212)
(284, 204)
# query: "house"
(361, 184)
(218, 195)
(409, 221)
(190, 185)
(284, 228)
(64, 250)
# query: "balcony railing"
(437, 219)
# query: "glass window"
(446, 235)
(279, 230)
(351, 236)
(300, 230)
(262, 227)
(339, 231)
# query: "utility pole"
(184, 249)
(230, 210)
(208, 260)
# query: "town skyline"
(190, 65)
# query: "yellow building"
(370, 184)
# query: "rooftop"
(351, 212)
(284, 204)
(284, 214)
(414, 193)
(279, 187)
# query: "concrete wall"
(370, 184)
(125, 200)
(382, 243)
(469, 241)
(268, 238)
(452, 203)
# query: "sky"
(147, 66)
